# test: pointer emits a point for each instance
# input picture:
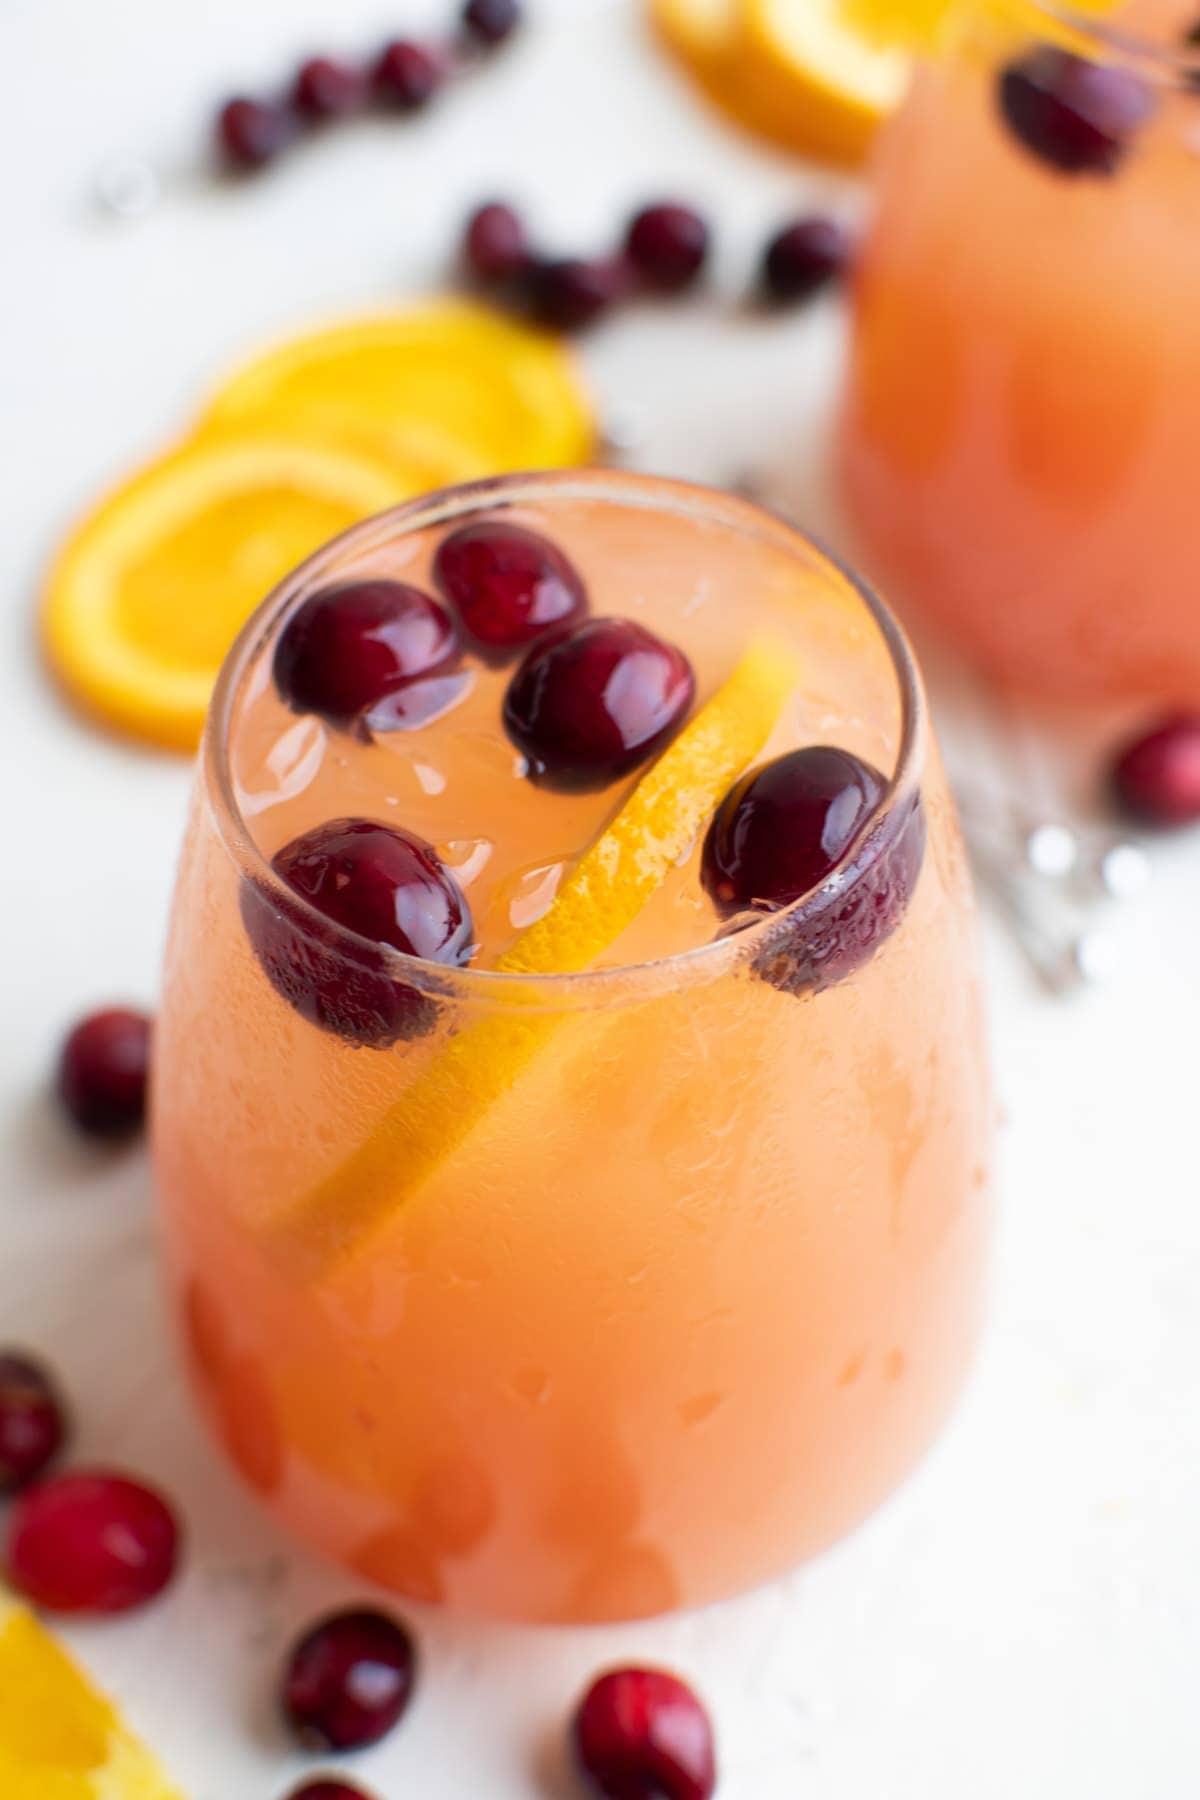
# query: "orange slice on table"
(60, 1739)
(450, 373)
(603, 895)
(821, 81)
(149, 591)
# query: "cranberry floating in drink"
(597, 995)
(350, 646)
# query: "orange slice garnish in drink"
(60, 1739)
(451, 371)
(149, 591)
(602, 896)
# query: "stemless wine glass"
(1023, 415)
(612, 1291)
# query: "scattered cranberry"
(568, 293)
(1076, 115)
(252, 133)
(593, 703)
(349, 646)
(103, 1070)
(489, 22)
(328, 89)
(407, 75)
(31, 1420)
(508, 584)
(349, 1680)
(1156, 778)
(91, 1541)
(328, 1787)
(641, 1734)
(667, 245)
(495, 247)
(804, 257)
(384, 886)
(782, 829)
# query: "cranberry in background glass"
(103, 1070)
(509, 584)
(568, 293)
(384, 885)
(641, 1734)
(592, 704)
(1075, 115)
(495, 247)
(328, 89)
(349, 1680)
(667, 245)
(490, 22)
(347, 647)
(407, 75)
(782, 828)
(91, 1541)
(803, 258)
(328, 1787)
(1156, 777)
(32, 1424)
(252, 133)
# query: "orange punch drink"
(571, 1127)
(1023, 417)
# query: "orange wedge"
(820, 82)
(149, 591)
(449, 374)
(603, 895)
(59, 1738)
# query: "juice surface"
(678, 1276)
(1020, 424)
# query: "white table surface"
(1023, 1622)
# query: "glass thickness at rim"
(1100, 36)
(707, 506)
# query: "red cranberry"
(350, 646)
(495, 247)
(407, 75)
(509, 584)
(595, 702)
(328, 1787)
(781, 829)
(1156, 778)
(91, 1541)
(667, 245)
(103, 1070)
(489, 22)
(569, 294)
(349, 1680)
(328, 89)
(803, 258)
(1076, 115)
(641, 1734)
(252, 133)
(31, 1420)
(384, 886)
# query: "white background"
(1024, 1620)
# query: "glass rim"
(701, 962)
(1175, 63)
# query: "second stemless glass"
(1023, 418)
(686, 1298)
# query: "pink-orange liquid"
(686, 1300)
(1023, 416)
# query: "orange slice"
(150, 590)
(450, 372)
(603, 895)
(59, 1738)
(821, 82)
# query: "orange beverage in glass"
(1023, 416)
(623, 1246)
